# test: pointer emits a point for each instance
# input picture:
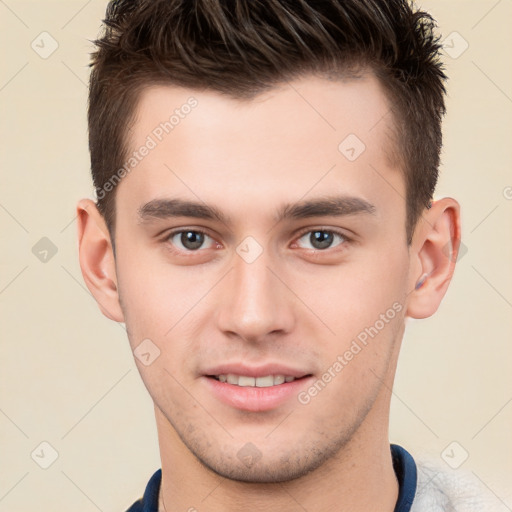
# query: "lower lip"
(256, 399)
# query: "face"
(261, 253)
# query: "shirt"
(403, 464)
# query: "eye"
(321, 239)
(189, 240)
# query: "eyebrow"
(335, 206)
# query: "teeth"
(246, 381)
(264, 382)
(259, 382)
(279, 379)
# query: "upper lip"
(255, 371)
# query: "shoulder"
(441, 489)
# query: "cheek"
(362, 304)
(357, 367)
(155, 295)
(352, 297)
(166, 306)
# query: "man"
(265, 223)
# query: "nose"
(255, 303)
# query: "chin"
(268, 473)
(249, 465)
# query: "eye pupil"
(192, 240)
(321, 239)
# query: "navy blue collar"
(149, 502)
(406, 474)
(403, 464)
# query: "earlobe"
(434, 250)
(97, 259)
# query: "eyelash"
(341, 234)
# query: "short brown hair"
(242, 47)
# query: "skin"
(296, 304)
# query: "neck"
(360, 477)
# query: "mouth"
(255, 382)
(265, 388)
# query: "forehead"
(355, 102)
(307, 134)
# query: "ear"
(433, 253)
(97, 259)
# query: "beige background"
(67, 375)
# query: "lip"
(254, 399)
(255, 371)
